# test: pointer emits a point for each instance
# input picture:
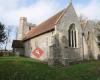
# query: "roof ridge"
(51, 17)
(64, 10)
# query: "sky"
(37, 11)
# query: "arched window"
(72, 36)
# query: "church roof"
(46, 26)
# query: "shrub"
(1, 54)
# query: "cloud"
(91, 11)
(36, 13)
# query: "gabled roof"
(44, 27)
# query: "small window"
(88, 33)
(29, 28)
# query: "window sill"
(73, 47)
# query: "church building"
(58, 40)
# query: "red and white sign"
(37, 52)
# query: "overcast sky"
(38, 10)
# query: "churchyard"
(20, 68)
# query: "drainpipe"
(83, 44)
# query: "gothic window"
(72, 36)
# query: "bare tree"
(11, 32)
(16, 32)
(83, 21)
(8, 38)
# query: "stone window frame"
(73, 36)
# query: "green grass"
(18, 68)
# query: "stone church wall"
(62, 27)
(90, 39)
(42, 42)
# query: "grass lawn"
(18, 68)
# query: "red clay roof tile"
(43, 27)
